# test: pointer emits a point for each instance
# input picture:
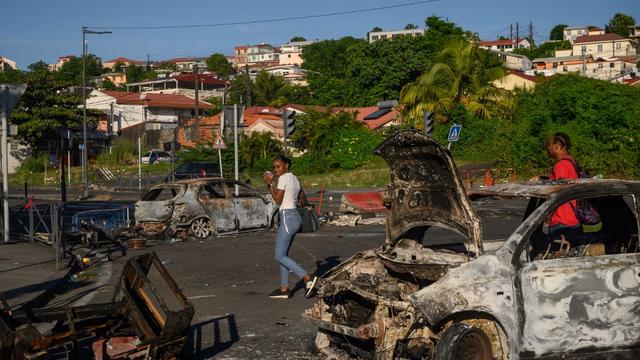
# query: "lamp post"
(85, 177)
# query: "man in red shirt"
(564, 219)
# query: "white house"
(514, 61)
(603, 45)
(290, 53)
(506, 45)
(390, 34)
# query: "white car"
(156, 156)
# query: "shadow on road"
(327, 264)
(211, 337)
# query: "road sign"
(13, 92)
(218, 143)
(454, 132)
(81, 146)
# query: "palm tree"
(462, 77)
(267, 86)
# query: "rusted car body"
(413, 299)
(203, 207)
(148, 309)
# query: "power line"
(291, 18)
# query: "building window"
(599, 47)
(555, 65)
(611, 65)
(565, 68)
(600, 66)
(584, 48)
(618, 46)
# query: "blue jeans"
(289, 225)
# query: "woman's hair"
(561, 139)
(284, 159)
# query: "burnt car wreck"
(417, 298)
(202, 208)
(148, 318)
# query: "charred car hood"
(425, 189)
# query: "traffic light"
(429, 123)
(289, 117)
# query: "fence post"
(54, 231)
(31, 238)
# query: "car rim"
(474, 345)
(201, 228)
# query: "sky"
(44, 30)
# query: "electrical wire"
(263, 21)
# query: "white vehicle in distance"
(156, 156)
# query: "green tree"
(410, 26)
(376, 29)
(45, 108)
(72, 69)
(219, 64)
(620, 24)
(297, 38)
(38, 66)
(557, 32)
(315, 129)
(117, 67)
(267, 87)
(547, 49)
(460, 82)
(108, 85)
(238, 89)
(443, 28)
(329, 57)
(137, 73)
(258, 146)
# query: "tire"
(463, 342)
(201, 228)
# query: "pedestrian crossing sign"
(454, 132)
(218, 143)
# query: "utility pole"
(511, 31)
(517, 32)
(584, 62)
(246, 71)
(197, 86)
(235, 145)
(148, 63)
(531, 33)
(110, 125)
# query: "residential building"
(514, 61)
(603, 45)
(110, 64)
(188, 64)
(517, 80)
(571, 33)
(61, 61)
(118, 78)
(291, 73)
(183, 84)
(240, 53)
(506, 45)
(261, 53)
(598, 68)
(390, 34)
(291, 52)
(563, 52)
(594, 30)
(634, 32)
(7, 64)
(131, 109)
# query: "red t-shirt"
(565, 215)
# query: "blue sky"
(43, 30)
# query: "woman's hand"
(267, 176)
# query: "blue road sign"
(454, 132)
(81, 146)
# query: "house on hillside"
(517, 80)
(7, 64)
(603, 45)
(514, 61)
(391, 34)
(110, 64)
(184, 84)
(61, 61)
(291, 52)
(507, 45)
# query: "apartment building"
(506, 45)
(390, 34)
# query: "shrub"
(312, 163)
(122, 152)
(354, 147)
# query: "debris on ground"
(362, 202)
(353, 220)
(145, 316)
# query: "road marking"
(200, 297)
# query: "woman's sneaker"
(280, 294)
(309, 286)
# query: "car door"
(252, 210)
(221, 209)
(589, 301)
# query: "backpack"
(585, 212)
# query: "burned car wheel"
(201, 228)
(461, 341)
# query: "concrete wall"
(605, 49)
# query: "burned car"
(416, 298)
(203, 207)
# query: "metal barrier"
(105, 219)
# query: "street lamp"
(85, 177)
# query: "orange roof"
(596, 38)
(525, 76)
(157, 100)
(124, 60)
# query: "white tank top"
(291, 186)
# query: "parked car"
(195, 169)
(155, 156)
(203, 207)
(417, 298)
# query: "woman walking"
(286, 194)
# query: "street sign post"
(9, 95)
(219, 144)
(454, 134)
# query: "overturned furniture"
(148, 307)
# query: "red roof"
(500, 42)
(525, 76)
(179, 60)
(125, 60)
(596, 38)
(66, 57)
(632, 82)
(172, 101)
(203, 78)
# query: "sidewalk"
(26, 271)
